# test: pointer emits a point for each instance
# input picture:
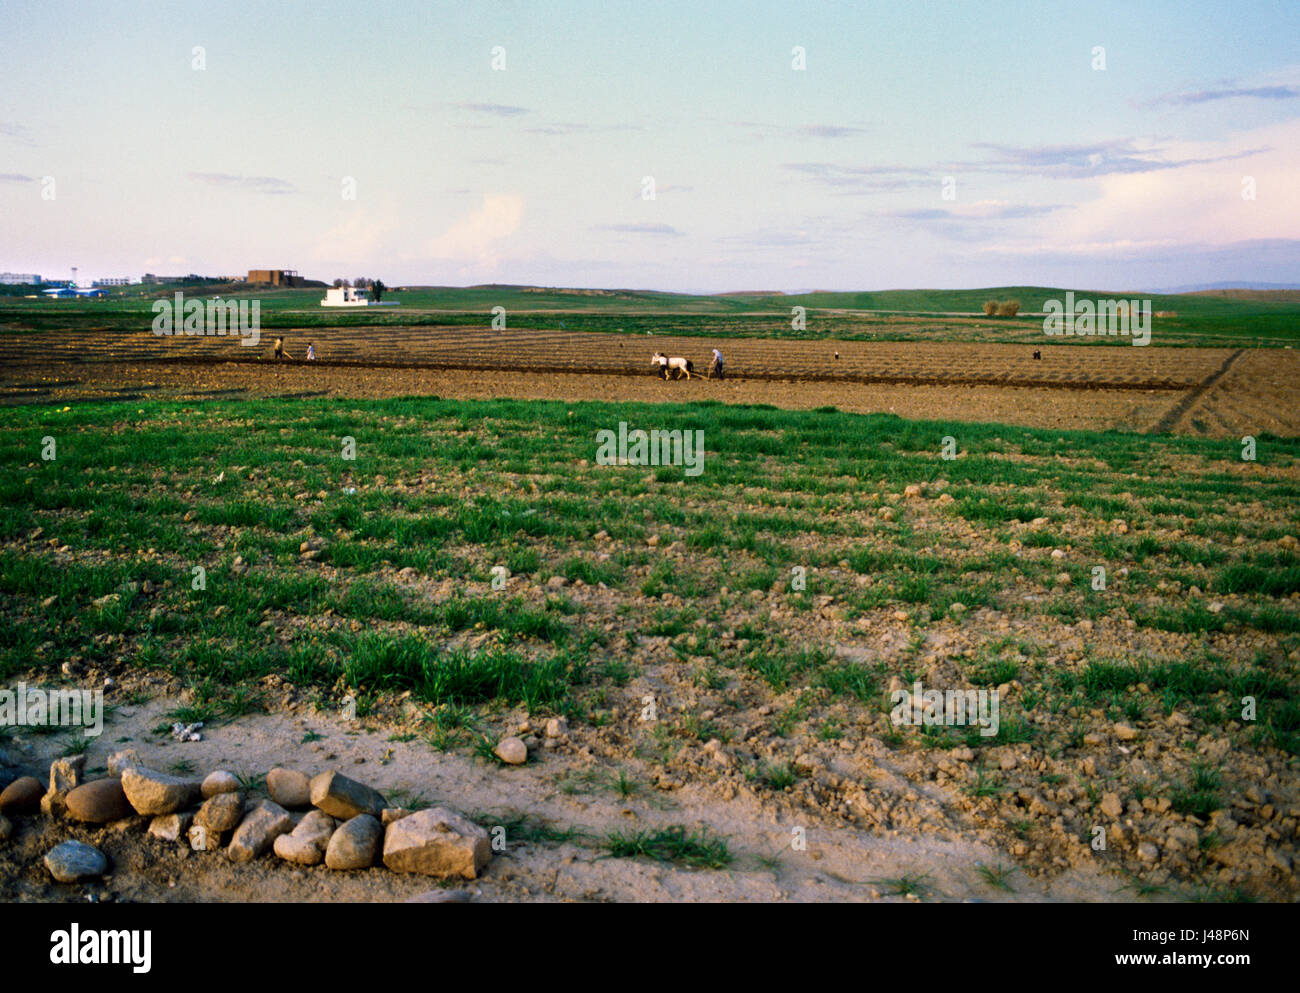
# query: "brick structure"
(275, 277)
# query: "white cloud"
(1199, 203)
(359, 235)
(475, 240)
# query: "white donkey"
(672, 367)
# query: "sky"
(839, 146)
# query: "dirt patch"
(839, 863)
(1028, 406)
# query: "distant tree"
(377, 290)
(990, 308)
(1008, 308)
(361, 282)
(338, 283)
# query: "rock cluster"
(347, 825)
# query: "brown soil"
(1253, 397)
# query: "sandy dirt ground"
(839, 863)
(1246, 405)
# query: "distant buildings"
(112, 281)
(29, 278)
(345, 296)
(275, 277)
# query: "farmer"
(311, 352)
(715, 367)
(280, 353)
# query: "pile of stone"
(327, 818)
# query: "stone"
(557, 727)
(511, 751)
(220, 813)
(715, 750)
(1148, 852)
(258, 831)
(219, 782)
(912, 492)
(154, 793)
(65, 776)
(344, 798)
(120, 761)
(355, 844)
(1125, 733)
(171, 827)
(98, 802)
(1111, 807)
(391, 814)
(306, 844)
(22, 796)
(289, 788)
(437, 842)
(70, 861)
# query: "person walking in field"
(280, 353)
(715, 366)
(311, 352)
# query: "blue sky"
(1127, 177)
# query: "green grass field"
(909, 315)
(145, 494)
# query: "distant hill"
(1275, 296)
(1238, 286)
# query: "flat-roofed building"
(275, 277)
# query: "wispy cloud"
(1086, 161)
(850, 180)
(248, 184)
(657, 229)
(986, 210)
(1231, 93)
(828, 131)
(17, 132)
(968, 222)
(761, 129)
(554, 128)
(496, 109)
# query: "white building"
(345, 296)
(20, 277)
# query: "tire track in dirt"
(1167, 423)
